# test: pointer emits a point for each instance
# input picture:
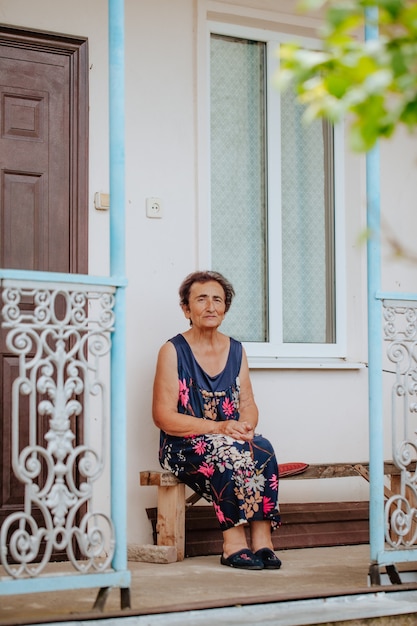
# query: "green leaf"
(409, 113)
(342, 17)
(393, 7)
(374, 80)
(337, 84)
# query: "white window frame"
(276, 353)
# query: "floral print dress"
(239, 478)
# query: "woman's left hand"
(241, 431)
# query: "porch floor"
(315, 586)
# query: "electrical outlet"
(153, 207)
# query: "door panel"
(43, 186)
(22, 218)
(35, 162)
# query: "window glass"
(307, 227)
(276, 248)
(238, 181)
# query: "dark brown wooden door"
(43, 185)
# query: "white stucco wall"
(314, 415)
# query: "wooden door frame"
(76, 48)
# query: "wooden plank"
(203, 518)
(328, 470)
(158, 479)
(310, 535)
(165, 478)
(340, 470)
(171, 518)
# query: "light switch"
(102, 201)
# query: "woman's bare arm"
(247, 406)
(165, 401)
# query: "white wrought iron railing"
(59, 344)
(400, 336)
(393, 374)
(59, 333)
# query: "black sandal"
(243, 559)
(268, 558)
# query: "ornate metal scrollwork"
(60, 334)
(400, 331)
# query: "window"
(274, 204)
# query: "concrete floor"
(313, 584)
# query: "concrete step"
(380, 609)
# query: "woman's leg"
(234, 539)
(260, 533)
(262, 545)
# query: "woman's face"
(206, 305)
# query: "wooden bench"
(171, 504)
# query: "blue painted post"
(117, 270)
(376, 431)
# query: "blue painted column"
(117, 270)
(376, 430)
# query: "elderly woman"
(204, 406)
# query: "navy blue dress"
(239, 478)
